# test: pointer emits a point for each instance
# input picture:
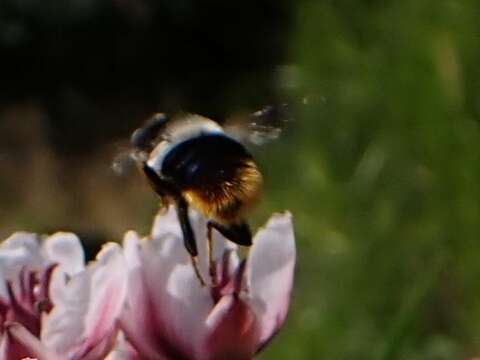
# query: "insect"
(192, 161)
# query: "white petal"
(21, 239)
(65, 249)
(20, 250)
(108, 290)
(270, 271)
(187, 304)
(18, 338)
(171, 305)
(231, 331)
(136, 318)
(180, 301)
(123, 350)
(3, 288)
(98, 350)
(4, 345)
(86, 310)
(64, 327)
(166, 223)
(166, 303)
(131, 249)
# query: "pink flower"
(169, 315)
(52, 306)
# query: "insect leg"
(211, 265)
(238, 233)
(188, 235)
(161, 187)
(194, 261)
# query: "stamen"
(21, 314)
(43, 301)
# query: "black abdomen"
(204, 162)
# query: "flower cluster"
(143, 300)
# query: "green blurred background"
(381, 170)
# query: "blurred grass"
(383, 177)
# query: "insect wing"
(123, 162)
(126, 159)
(258, 128)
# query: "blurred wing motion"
(142, 141)
(260, 127)
(124, 162)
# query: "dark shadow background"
(99, 66)
(78, 76)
